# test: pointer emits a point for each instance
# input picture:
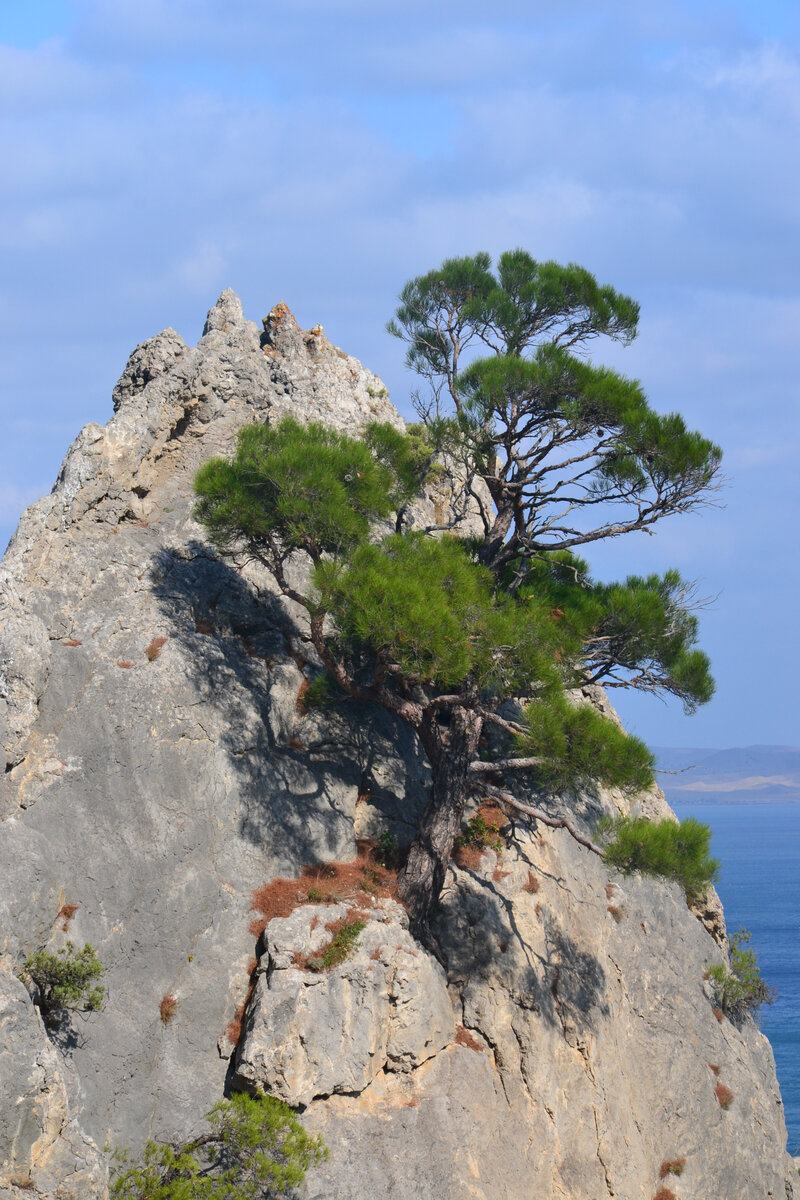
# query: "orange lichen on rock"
(66, 913)
(465, 1038)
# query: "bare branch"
(545, 818)
(504, 764)
(496, 719)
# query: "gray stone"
(42, 1147)
(157, 794)
(596, 1054)
(308, 1034)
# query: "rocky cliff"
(162, 771)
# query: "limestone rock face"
(42, 1147)
(155, 788)
(592, 1053)
(159, 767)
(308, 1034)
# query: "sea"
(759, 884)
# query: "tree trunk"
(450, 750)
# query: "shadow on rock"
(564, 984)
(576, 981)
(62, 1033)
(300, 776)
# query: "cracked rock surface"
(159, 766)
(310, 1034)
(42, 1147)
(592, 1053)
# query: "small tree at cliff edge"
(554, 453)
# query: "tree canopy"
(569, 452)
(552, 453)
(256, 1150)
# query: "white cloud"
(200, 270)
(766, 71)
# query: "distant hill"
(741, 775)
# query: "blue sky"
(156, 152)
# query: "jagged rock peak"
(226, 314)
(283, 335)
(148, 361)
(175, 405)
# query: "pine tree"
(554, 453)
(256, 1150)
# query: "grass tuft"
(168, 1007)
(66, 913)
(340, 947)
(154, 649)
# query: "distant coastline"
(688, 800)
(740, 775)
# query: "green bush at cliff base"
(256, 1150)
(670, 849)
(739, 989)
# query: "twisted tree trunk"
(450, 750)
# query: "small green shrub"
(482, 834)
(670, 849)
(66, 981)
(739, 989)
(339, 948)
(321, 692)
(387, 851)
(256, 1149)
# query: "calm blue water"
(759, 845)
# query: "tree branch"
(504, 764)
(496, 719)
(538, 815)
